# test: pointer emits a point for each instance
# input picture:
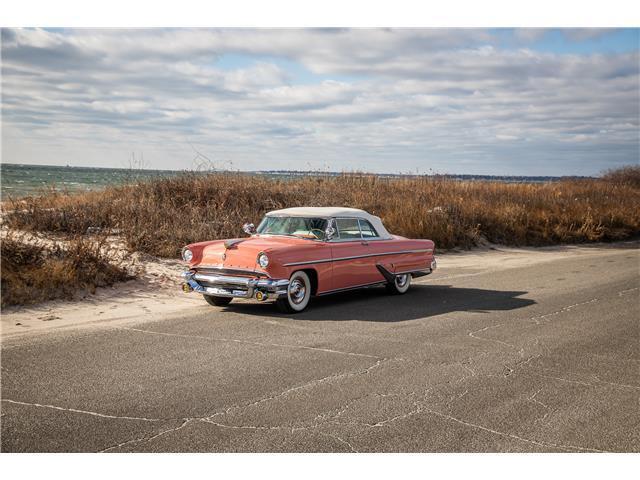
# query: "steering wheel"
(319, 237)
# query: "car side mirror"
(329, 233)
(249, 228)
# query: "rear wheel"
(217, 301)
(400, 284)
(298, 294)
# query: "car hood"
(242, 253)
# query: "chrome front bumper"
(234, 286)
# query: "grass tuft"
(35, 271)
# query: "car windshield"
(303, 227)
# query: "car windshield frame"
(289, 226)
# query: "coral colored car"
(297, 253)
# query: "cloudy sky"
(524, 102)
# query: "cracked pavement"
(530, 358)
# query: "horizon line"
(318, 172)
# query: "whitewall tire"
(298, 294)
(400, 285)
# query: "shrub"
(33, 272)
(629, 175)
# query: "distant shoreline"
(303, 172)
(19, 180)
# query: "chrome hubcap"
(401, 280)
(297, 291)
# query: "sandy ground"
(156, 293)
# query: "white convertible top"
(331, 212)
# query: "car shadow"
(376, 305)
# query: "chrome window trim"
(361, 239)
(366, 239)
(370, 239)
(338, 229)
(333, 240)
(328, 219)
(339, 259)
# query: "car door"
(349, 255)
(376, 250)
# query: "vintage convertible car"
(297, 253)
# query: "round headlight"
(263, 260)
(187, 255)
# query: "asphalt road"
(527, 359)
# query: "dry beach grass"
(158, 217)
(35, 271)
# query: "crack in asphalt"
(538, 318)
(146, 438)
(395, 418)
(302, 387)
(330, 416)
(473, 335)
(341, 440)
(248, 342)
(511, 435)
(624, 292)
(209, 418)
(420, 407)
(84, 412)
(322, 419)
(596, 382)
(532, 399)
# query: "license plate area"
(226, 291)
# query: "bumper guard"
(233, 286)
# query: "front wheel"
(400, 284)
(298, 294)
(217, 301)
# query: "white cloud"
(580, 34)
(379, 100)
(530, 34)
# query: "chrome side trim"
(412, 271)
(355, 287)
(339, 259)
(324, 260)
(421, 273)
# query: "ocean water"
(22, 180)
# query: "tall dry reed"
(160, 216)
